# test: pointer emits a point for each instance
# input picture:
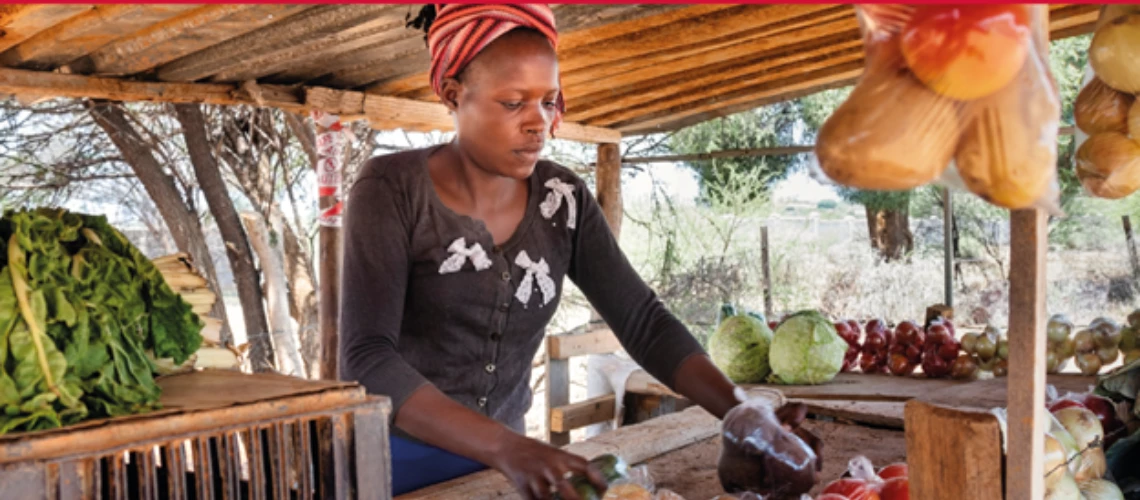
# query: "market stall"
(633, 70)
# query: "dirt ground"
(691, 471)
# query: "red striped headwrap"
(460, 31)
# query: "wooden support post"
(609, 185)
(767, 272)
(329, 169)
(948, 245)
(1025, 477)
(1133, 258)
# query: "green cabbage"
(806, 350)
(739, 347)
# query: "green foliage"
(81, 311)
(827, 205)
(765, 127)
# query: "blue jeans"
(416, 465)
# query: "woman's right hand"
(538, 469)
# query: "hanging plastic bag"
(1106, 110)
(966, 85)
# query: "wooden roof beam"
(658, 93)
(181, 36)
(718, 92)
(382, 29)
(87, 32)
(381, 110)
(312, 24)
(19, 22)
(772, 41)
(42, 83)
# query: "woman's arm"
(652, 335)
(374, 285)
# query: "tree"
(175, 205)
(237, 244)
(769, 126)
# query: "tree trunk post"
(329, 167)
(276, 291)
(767, 268)
(246, 275)
(1025, 478)
(1135, 260)
(179, 219)
(948, 245)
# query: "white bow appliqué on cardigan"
(539, 271)
(459, 255)
(560, 191)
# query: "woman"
(454, 258)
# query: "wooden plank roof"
(631, 68)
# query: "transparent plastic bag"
(926, 101)
(1106, 111)
(764, 451)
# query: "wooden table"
(221, 433)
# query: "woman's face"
(505, 103)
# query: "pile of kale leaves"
(83, 316)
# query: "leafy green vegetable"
(806, 349)
(739, 347)
(80, 308)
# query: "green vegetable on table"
(806, 349)
(82, 316)
(739, 347)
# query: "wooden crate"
(220, 435)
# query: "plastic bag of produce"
(766, 451)
(959, 95)
(1106, 110)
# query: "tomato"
(895, 489)
(892, 471)
(967, 51)
(831, 496)
(852, 489)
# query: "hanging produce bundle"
(1106, 109)
(942, 84)
(83, 316)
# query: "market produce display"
(83, 316)
(941, 83)
(1106, 109)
